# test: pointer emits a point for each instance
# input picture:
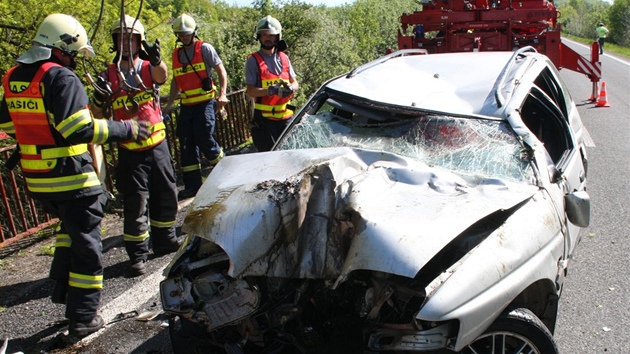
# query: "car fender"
(525, 250)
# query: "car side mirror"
(578, 208)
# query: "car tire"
(517, 328)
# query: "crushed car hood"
(322, 213)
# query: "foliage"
(619, 22)
(580, 18)
(323, 41)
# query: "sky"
(329, 3)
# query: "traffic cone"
(602, 101)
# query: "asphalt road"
(594, 308)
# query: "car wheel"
(519, 331)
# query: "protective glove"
(99, 97)
(137, 131)
(154, 56)
(285, 90)
(273, 90)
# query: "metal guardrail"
(21, 217)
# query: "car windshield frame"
(471, 146)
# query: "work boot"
(83, 329)
(187, 193)
(137, 268)
(59, 292)
(172, 246)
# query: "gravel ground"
(33, 324)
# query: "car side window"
(544, 119)
(549, 85)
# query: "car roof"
(456, 83)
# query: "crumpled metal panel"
(321, 213)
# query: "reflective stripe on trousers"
(81, 262)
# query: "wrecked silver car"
(414, 205)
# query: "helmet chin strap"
(73, 64)
(192, 39)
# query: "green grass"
(608, 47)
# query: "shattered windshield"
(469, 146)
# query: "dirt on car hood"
(321, 213)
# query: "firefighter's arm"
(6, 124)
(159, 73)
(294, 84)
(173, 94)
(100, 105)
(252, 79)
(221, 95)
(254, 91)
(82, 127)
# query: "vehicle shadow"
(158, 344)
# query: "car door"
(546, 120)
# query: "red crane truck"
(442, 26)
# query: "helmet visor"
(87, 51)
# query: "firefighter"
(271, 82)
(145, 176)
(45, 109)
(193, 63)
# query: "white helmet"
(184, 24)
(59, 31)
(271, 24)
(131, 25)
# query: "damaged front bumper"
(401, 339)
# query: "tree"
(374, 25)
(580, 17)
(323, 42)
(619, 23)
(20, 20)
